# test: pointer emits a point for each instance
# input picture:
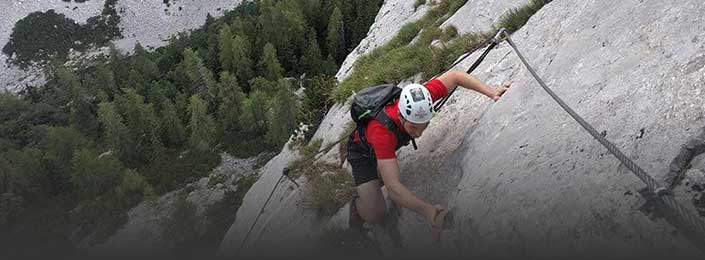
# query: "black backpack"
(369, 104)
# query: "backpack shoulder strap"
(387, 121)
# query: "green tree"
(312, 60)
(230, 109)
(269, 65)
(335, 37)
(142, 71)
(115, 133)
(225, 44)
(242, 61)
(329, 66)
(47, 163)
(24, 173)
(119, 65)
(172, 127)
(231, 102)
(94, 174)
(317, 98)
(254, 122)
(202, 128)
(281, 118)
(80, 101)
(103, 80)
(142, 125)
(263, 85)
(191, 75)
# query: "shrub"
(419, 3)
(449, 33)
(92, 174)
(133, 189)
(181, 227)
(329, 186)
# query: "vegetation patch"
(400, 58)
(329, 186)
(42, 36)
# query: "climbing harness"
(660, 193)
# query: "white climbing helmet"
(415, 104)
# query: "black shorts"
(363, 163)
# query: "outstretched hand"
(437, 222)
(501, 90)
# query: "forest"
(79, 151)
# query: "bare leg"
(371, 203)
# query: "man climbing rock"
(372, 155)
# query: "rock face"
(520, 177)
(533, 179)
(480, 15)
(151, 23)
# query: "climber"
(410, 113)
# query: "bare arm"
(389, 169)
(458, 78)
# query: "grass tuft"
(399, 60)
(329, 186)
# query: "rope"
(259, 214)
(493, 43)
(661, 193)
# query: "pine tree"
(92, 174)
(230, 110)
(225, 44)
(263, 85)
(312, 60)
(269, 65)
(329, 66)
(114, 130)
(281, 119)
(365, 12)
(119, 66)
(201, 126)
(334, 39)
(79, 100)
(192, 75)
(253, 121)
(172, 127)
(231, 102)
(83, 115)
(105, 82)
(242, 63)
(142, 125)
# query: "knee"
(374, 216)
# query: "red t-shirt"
(382, 140)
